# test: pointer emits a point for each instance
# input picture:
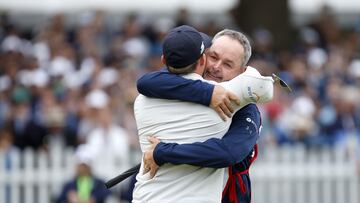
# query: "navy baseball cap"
(184, 45)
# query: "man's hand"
(221, 101)
(149, 162)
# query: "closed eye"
(212, 57)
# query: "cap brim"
(207, 40)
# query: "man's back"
(180, 122)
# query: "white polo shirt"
(181, 122)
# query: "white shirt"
(109, 149)
(181, 122)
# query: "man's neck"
(195, 73)
(199, 71)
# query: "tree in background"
(271, 15)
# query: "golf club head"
(282, 83)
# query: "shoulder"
(70, 185)
(248, 111)
(250, 107)
(98, 181)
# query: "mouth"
(209, 76)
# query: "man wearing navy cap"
(236, 149)
(174, 121)
(183, 49)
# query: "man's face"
(224, 59)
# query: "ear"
(163, 59)
(202, 59)
(243, 68)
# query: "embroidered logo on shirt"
(249, 120)
(252, 95)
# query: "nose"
(217, 66)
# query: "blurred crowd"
(74, 86)
(323, 69)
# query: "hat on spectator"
(107, 76)
(184, 45)
(354, 68)
(97, 99)
(5, 83)
(60, 66)
(84, 154)
(37, 78)
(12, 44)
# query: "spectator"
(26, 132)
(108, 141)
(84, 187)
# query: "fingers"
(234, 98)
(153, 171)
(149, 164)
(226, 110)
(153, 140)
(221, 113)
(228, 105)
(146, 169)
(222, 101)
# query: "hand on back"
(148, 159)
(221, 102)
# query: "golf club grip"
(122, 176)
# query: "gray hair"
(241, 38)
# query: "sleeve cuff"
(157, 154)
(209, 89)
